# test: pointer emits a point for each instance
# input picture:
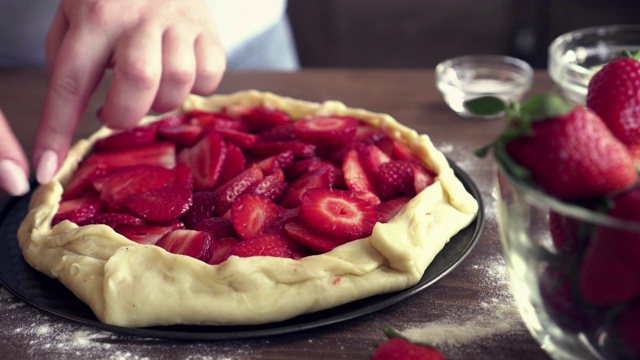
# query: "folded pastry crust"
(133, 285)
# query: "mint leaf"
(485, 106)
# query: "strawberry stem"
(631, 55)
(519, 118)
(391, 332)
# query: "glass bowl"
(575, 56)
(467, 77)
(548, 247)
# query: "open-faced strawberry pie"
(246, 208)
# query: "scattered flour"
(496, 316)
(45, 334)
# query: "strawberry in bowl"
(241, 209)
(569, 201)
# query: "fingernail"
(47, 166)
(13, 178)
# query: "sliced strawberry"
(116, 185)
(286, 216)
(263, 245)
(140, 135)
(322, 177)
(367, 196)
(372, 158)
(355, 175)
(242, 139)
(220, 248)
(253, 214)
(368, 134)
(113, 219)
(182, 177)
(310, 239)
(421, 178)
(269, 148)
(300, 167)
(196, 244)
(389, 209)
(234, 164)
(160, 153)
(396, 178)
(217, 227)
(275, 162)
(272, 186)
(77, 210)
(401, 151)
(146, 234)
(218, 121)
(337, 155)
(171, 120)
(337, 214)
(229, 191)
(184, 134)
(282, 132)
(162, 206)
(203, 207)
(326, 131)
(261, 118)
(80, 183)
(206, 160)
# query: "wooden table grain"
(469, 313)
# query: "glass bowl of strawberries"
(574, 272)
(574, 57)
(568, 208)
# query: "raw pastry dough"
(133, 285)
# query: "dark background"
(421, 33)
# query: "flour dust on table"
(43, 334)
(496, 316)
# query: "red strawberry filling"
(244, 182)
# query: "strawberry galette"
(247, 208)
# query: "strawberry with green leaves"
(614, 94)
(397, 347)
(566, 150)
(610, 270)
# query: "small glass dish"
(576, 55)
(554, 251)
(468, 77)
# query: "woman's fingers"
(136, 77)
(211, 62)
(14, 166)
(178, 68)
(76, 71)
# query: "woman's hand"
(160, 51)
(14, 166)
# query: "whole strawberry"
(614, 94)
(610, 270)
(399, 348)
(566, 150)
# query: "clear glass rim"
(556, 48)
(516, 65)
(520, 64)
(574, 211)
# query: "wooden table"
(471, 307)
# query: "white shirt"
(24, 25)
